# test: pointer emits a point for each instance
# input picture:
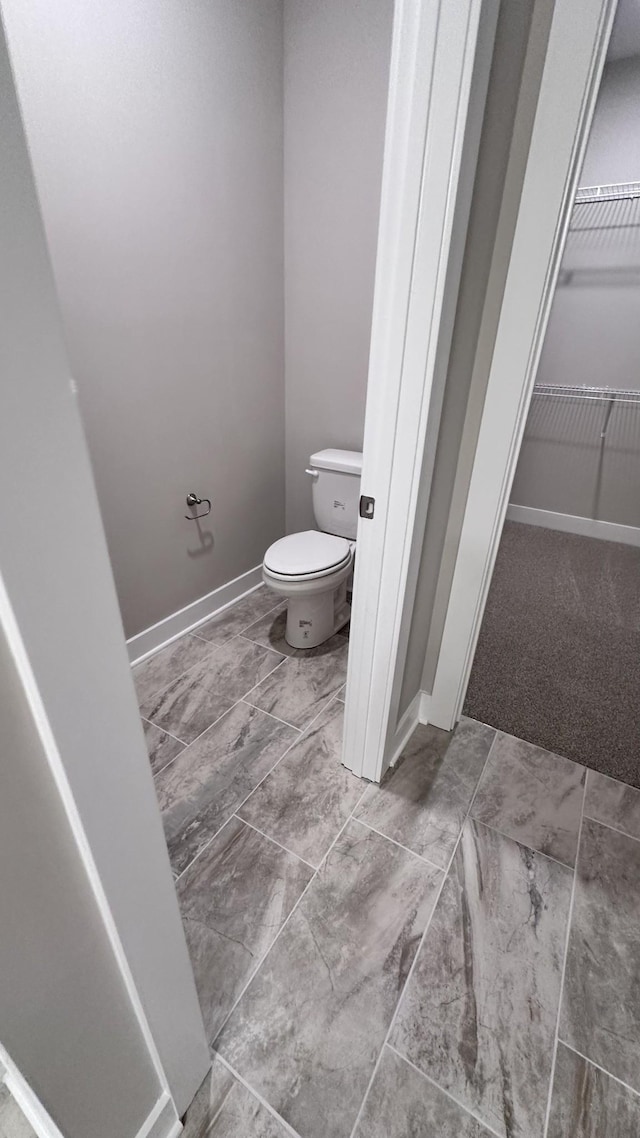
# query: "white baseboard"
(570, 523)
(36, 1115)
(152, 639)
(417, 712)
(162, 1121)
(425, 705)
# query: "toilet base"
(313, 619)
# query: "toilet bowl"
(312, 568)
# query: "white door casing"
(440, 63)
(59, 611)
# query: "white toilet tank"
(336, 491)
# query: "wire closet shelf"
(597, 209)
(580, 391)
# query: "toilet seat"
(307, 555)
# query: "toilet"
(312, 568)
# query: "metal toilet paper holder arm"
(194, 500)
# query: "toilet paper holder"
(193, 500)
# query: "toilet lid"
(307, 552)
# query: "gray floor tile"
(403, 1104)
(200, 791)
(161, 748)
(307, 1032)
(613, 803)
(234, 898)
(479, 1014)
(533, 796)
(601, 1002)
(309, 796)
(586, 1103)
(239, 616)
(304, 684)
(269, 631)
(167, 665)
(186, 707)
(13, 1123)
(424, 802)
(224, 1108)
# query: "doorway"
(556, 662)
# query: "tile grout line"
(556, 1033)
(265, 677)
(313, 877)
(608, 826)
(212, 645)
(206, 846)
(136, 667)
(285, 849)
(414, 962)
(272, 716)
(301, 734)
(175, 739)
(240, 699)
(263, 1102)
(424, 860)
(293, 743)
(399, 1000)
(330, 699)
(154, 774)
(163, 729)
(237, 703)
(522, 844)
(477, 786)
(486, 1125)
(597, 1066)
(241, 632)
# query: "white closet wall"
(566, 467)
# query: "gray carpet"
(558, 660)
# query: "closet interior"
(559, 651)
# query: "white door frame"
(575, 57)
(59, 612)
(38, 1118)
(440, 63)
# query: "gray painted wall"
(593, 338)
(336, 64)
(55, 568)
(156, 137)
(66, 1018)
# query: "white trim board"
(50, 747)
(571, 523)
(416, 713)
(26, 1099)
(151, 639)
(440, 63)
(162, 1121)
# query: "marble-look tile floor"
(453, 954)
